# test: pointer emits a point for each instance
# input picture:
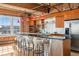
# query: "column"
(24, 24)
(11, 26)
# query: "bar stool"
(30, 45)
(39, 47)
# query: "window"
(9, 24)
(49, 26)
(16, 24)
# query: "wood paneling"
(9, 12)
(67, 47)
(7, 38)
(72, 14)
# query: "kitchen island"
(58, 44)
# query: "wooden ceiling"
(24, 5)
(43, 7)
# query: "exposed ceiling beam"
(42, 5)
(15, 8)
(8, 12)
(57, 9)
(24, 5)
(69, 6)
(37, 7)
(55, 6)
(67, 11)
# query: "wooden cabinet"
(60, 22)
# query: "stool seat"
(38, 51)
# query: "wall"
(60, 17)
(67, 14)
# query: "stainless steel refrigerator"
(73, 26)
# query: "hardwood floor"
(74, 53)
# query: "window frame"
(11, 18)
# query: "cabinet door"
(59, 22)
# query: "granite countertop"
(37, 35)
(57, 37)
(43, 35)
